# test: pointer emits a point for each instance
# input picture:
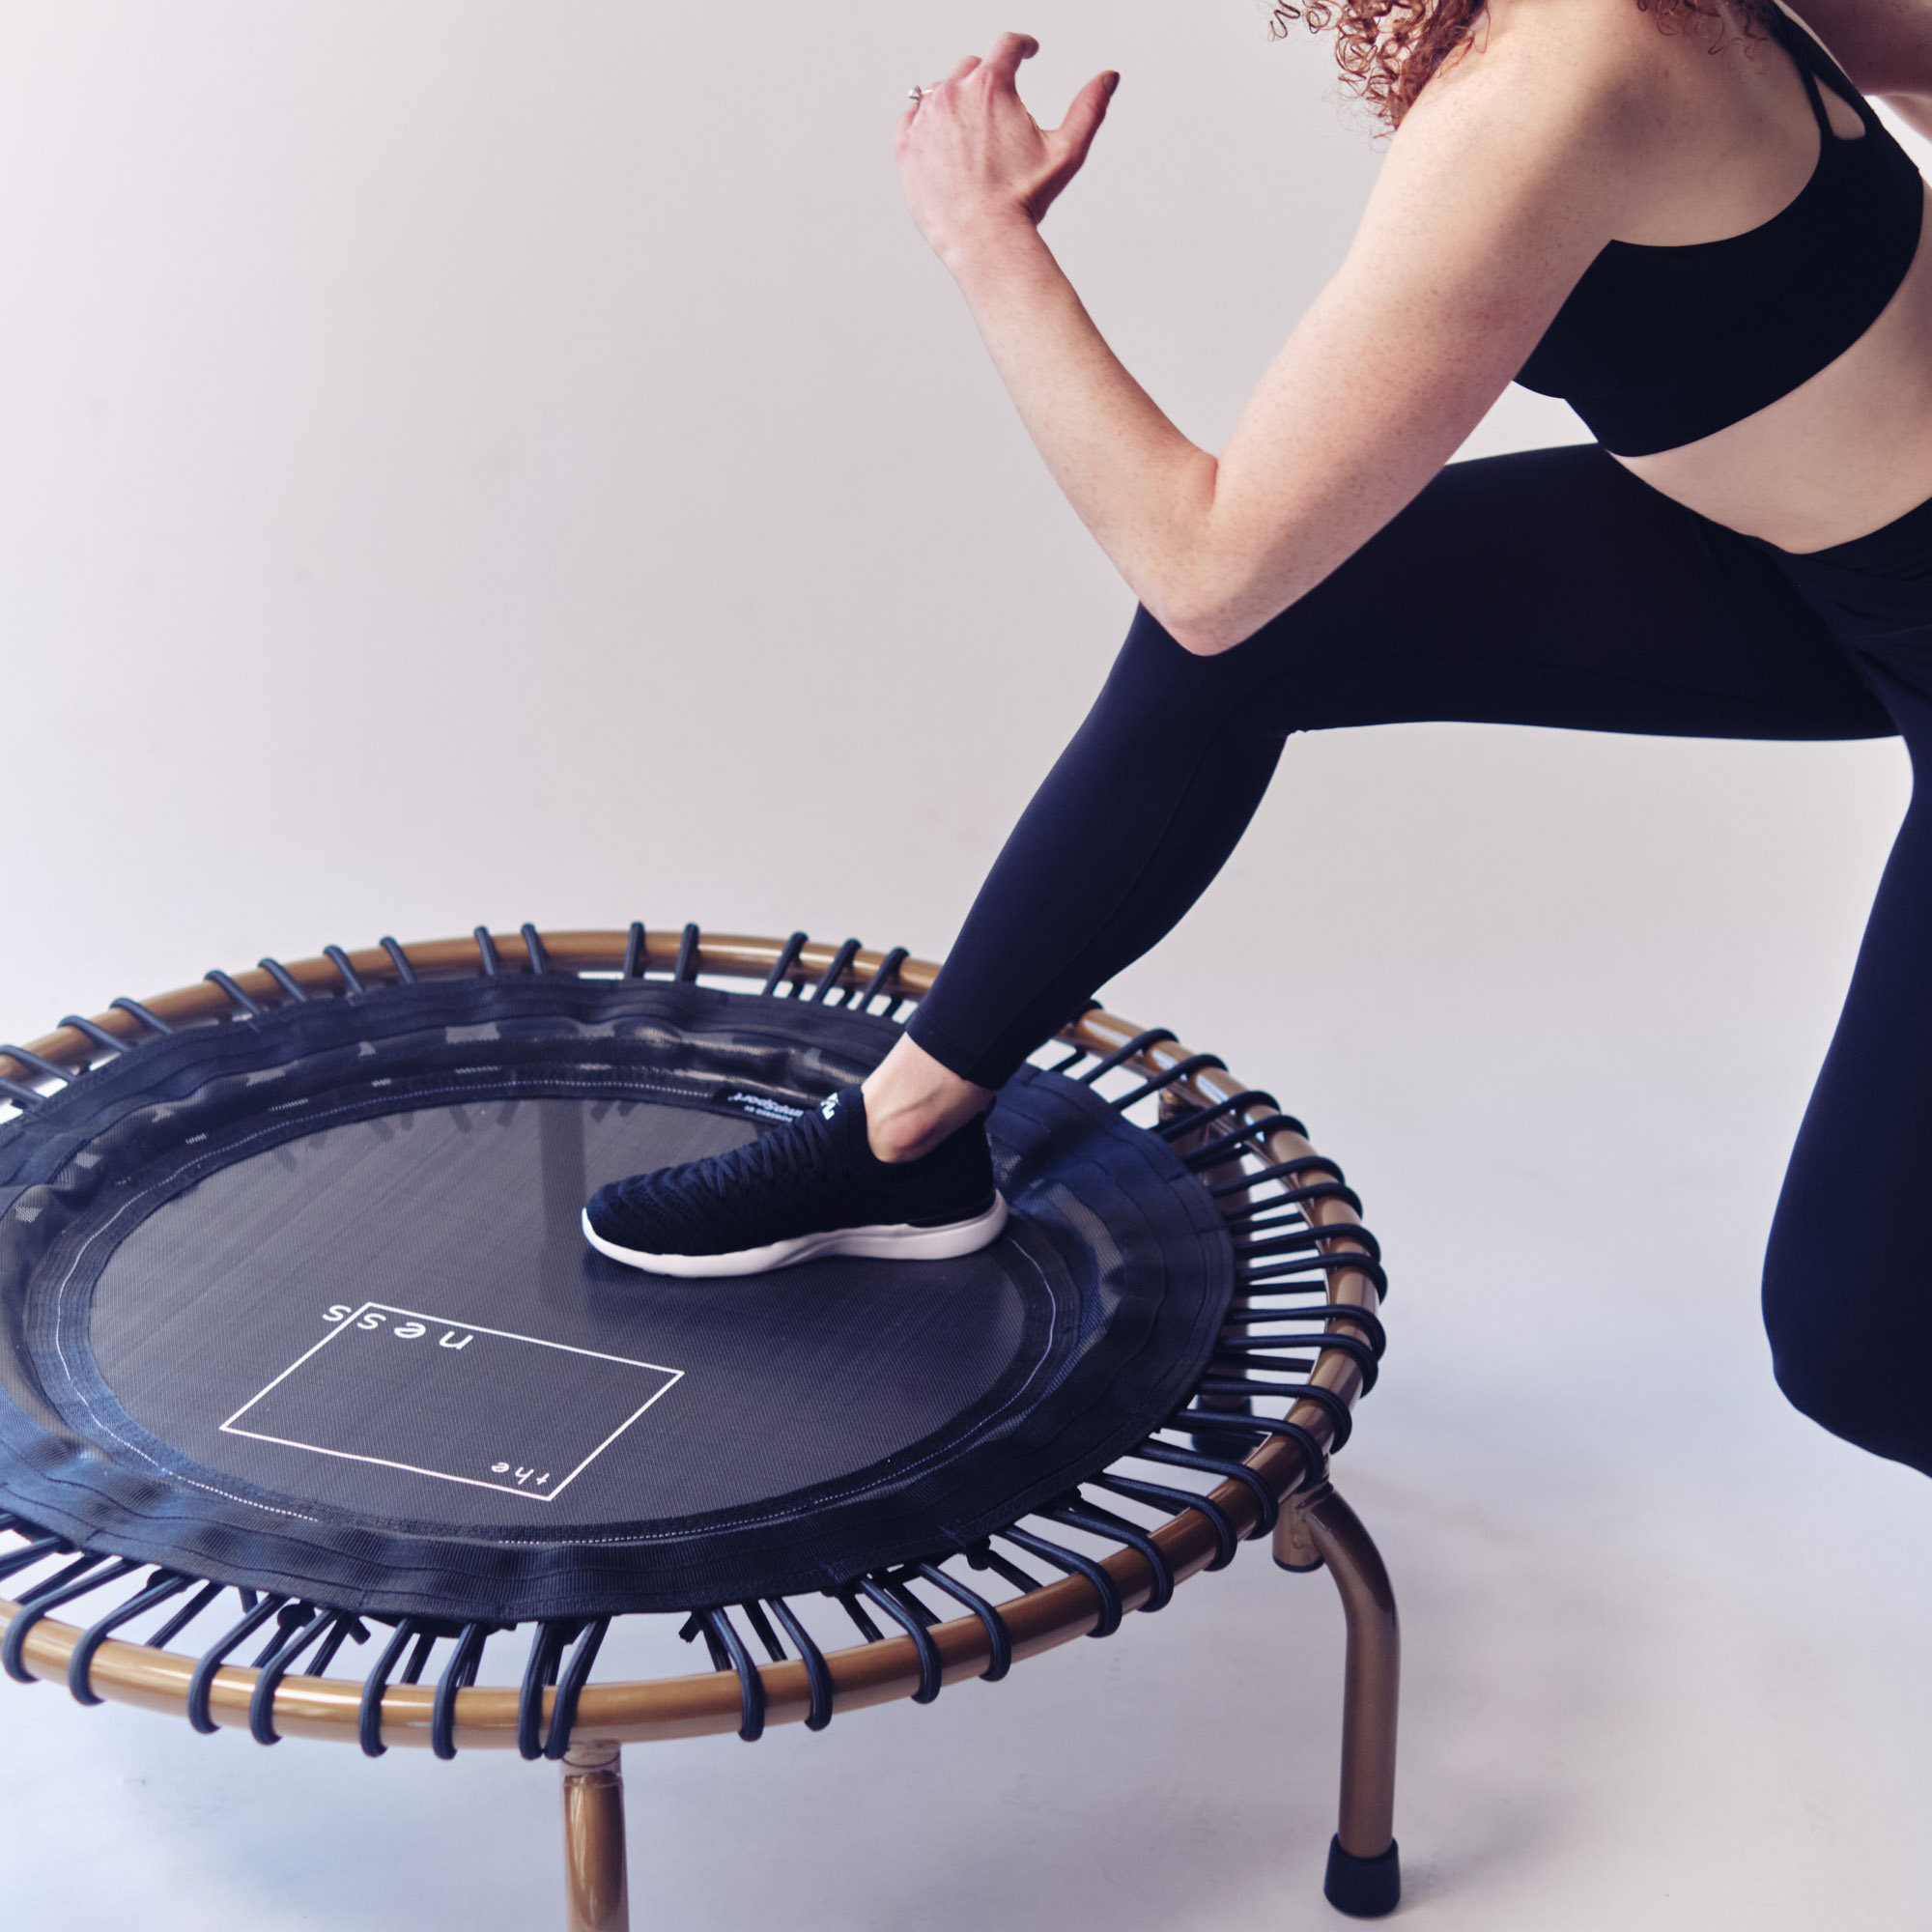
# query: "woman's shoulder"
(1579, 53)
(1590, 83)
(1565, 72)
(1618, 48)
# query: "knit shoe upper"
(810, 1188)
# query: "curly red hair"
(1387, 49)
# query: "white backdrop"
(487, 461)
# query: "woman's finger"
(1087, 109)
(1008, 50)
(964, 68)
(923, 94)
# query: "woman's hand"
(973, 160)
(1508, 176)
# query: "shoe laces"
(773, 1163)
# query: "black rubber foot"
(1363, 1888)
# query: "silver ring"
(915, 95)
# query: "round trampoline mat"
(300, 1300)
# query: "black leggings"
(1545, 589)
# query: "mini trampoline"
(304, 1359)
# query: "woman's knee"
(1851, 1347)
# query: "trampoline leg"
(593, 1839)
(1364, 1868)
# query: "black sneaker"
(810, 1188)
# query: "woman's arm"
(1914, 109)
(1505, 180)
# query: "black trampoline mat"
(484, 1332)
(303, 1302)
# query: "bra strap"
(1813, 64)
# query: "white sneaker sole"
(885, 1242)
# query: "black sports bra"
(1659, 346)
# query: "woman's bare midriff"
(1841, 455)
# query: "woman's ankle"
(913, 1103)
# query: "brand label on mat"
(448, 1399)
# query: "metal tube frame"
(596, 1882)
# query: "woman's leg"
(1545, 589)
(1848, 1276)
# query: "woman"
(1682, 215)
